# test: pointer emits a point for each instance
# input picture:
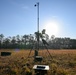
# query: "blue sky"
(20, 16)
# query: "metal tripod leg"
(48, 52)
(29, 54)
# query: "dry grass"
(63, 62)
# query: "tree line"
(30, 41)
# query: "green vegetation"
(63, 62)
(28, 41)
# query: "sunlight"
(52, 28)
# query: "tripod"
(35, 47)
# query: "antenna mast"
(36, 51)
(38, 25)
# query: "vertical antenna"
(36, 51)
(38, 24)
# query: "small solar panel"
(41, 67)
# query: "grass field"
(62, 62)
